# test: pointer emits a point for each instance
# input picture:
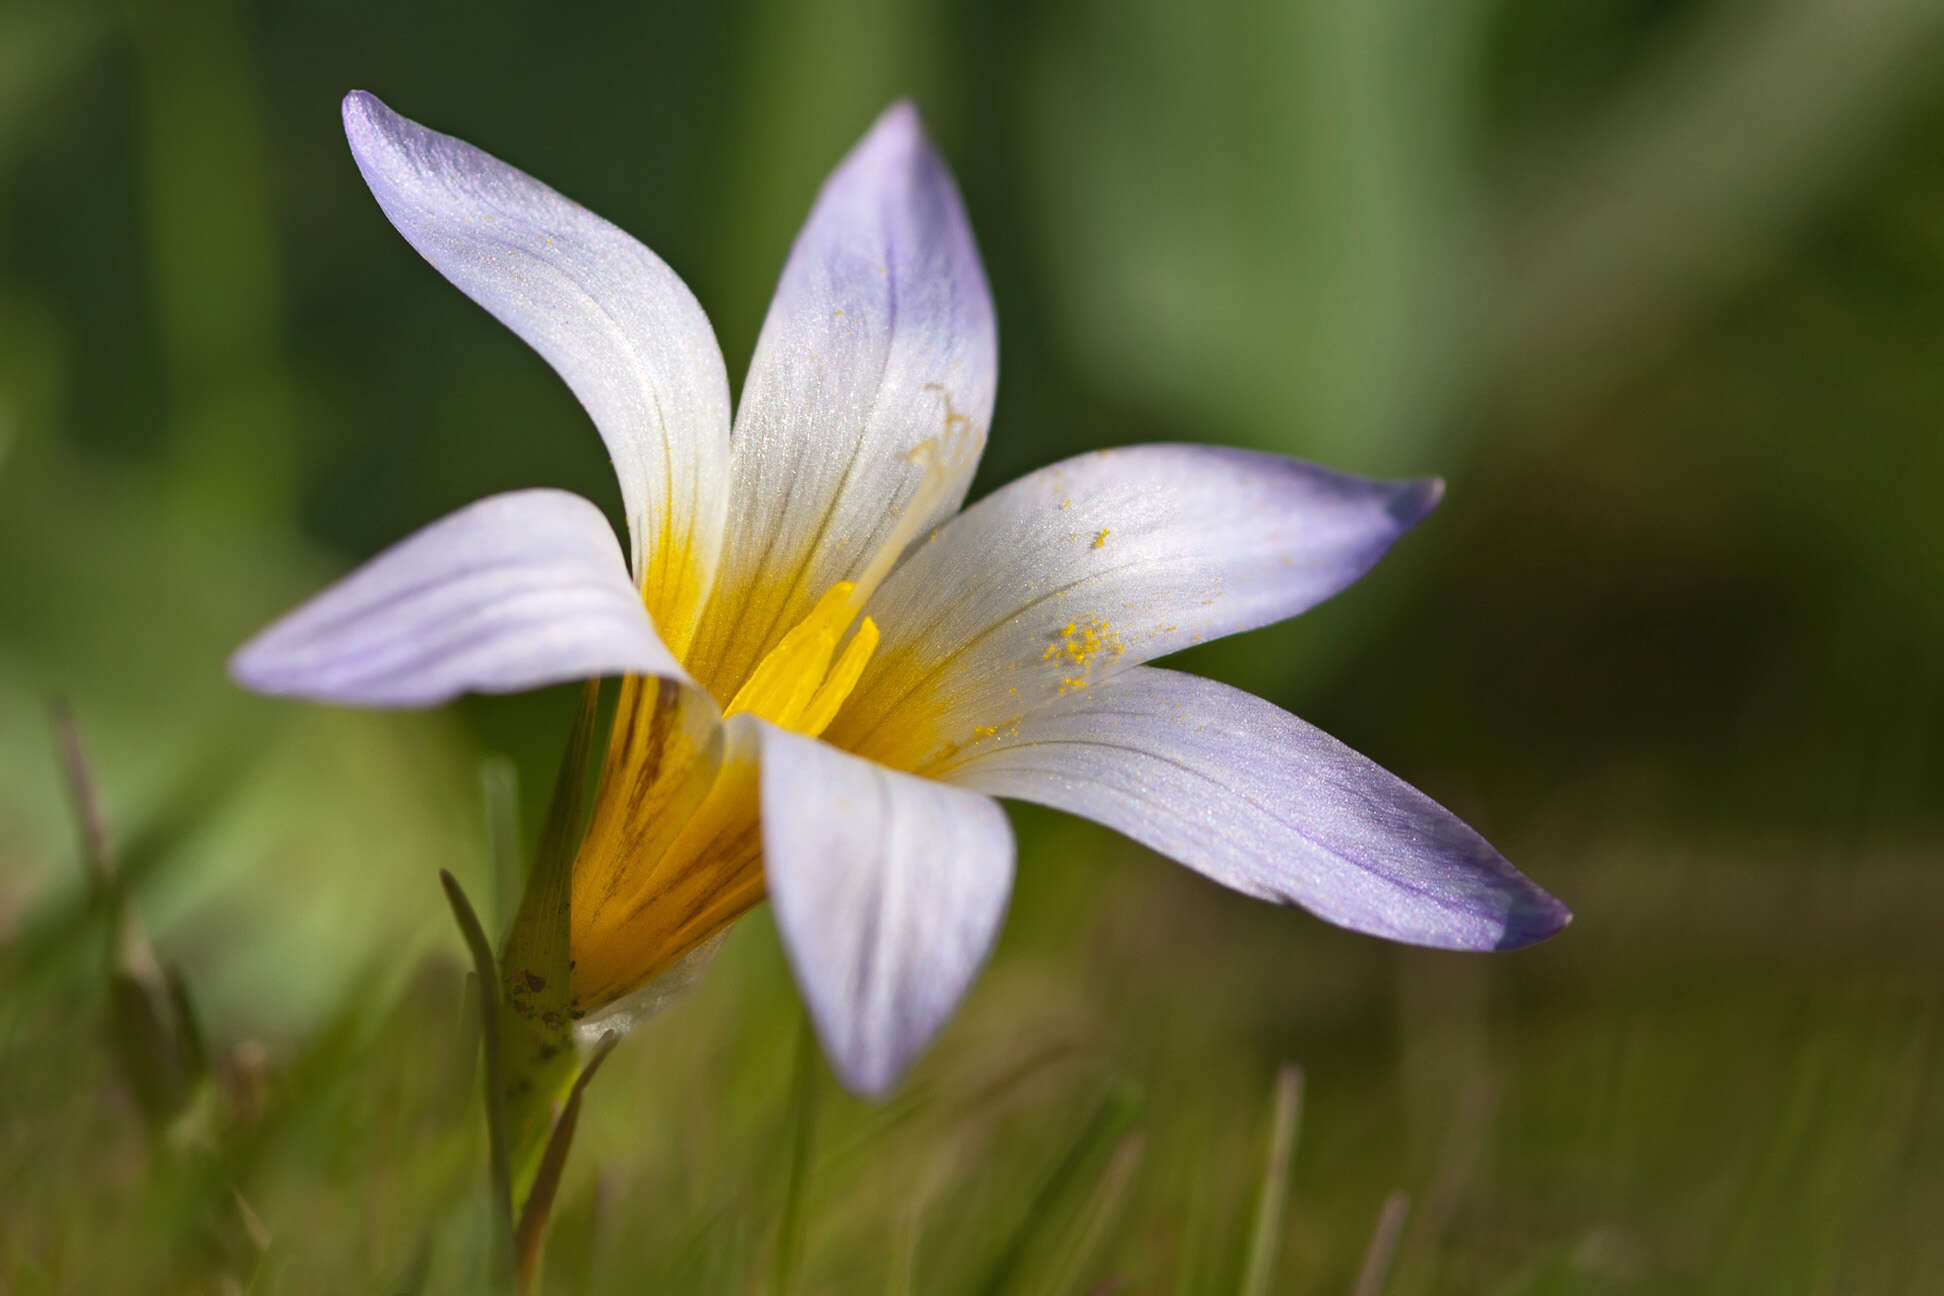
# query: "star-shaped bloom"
(830, 671)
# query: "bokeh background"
(1656, 285)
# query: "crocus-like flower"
(829, 670)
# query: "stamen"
(841, 680)
(786, 681)
(795, 685)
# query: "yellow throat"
(673, 852)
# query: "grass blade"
(1104, 1130)
(1265, 1233)
(789, 1229)
(97, 848)
(1096, 1218)
(499, 788)
(1383, 1246)
(489, 1033)
(150, 1013)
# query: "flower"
(830, 671)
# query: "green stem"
(532, 1232)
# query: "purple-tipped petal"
(888, 891)
(614, 321)
(1256, 799)
(511, 593)
(881, 330)
(1076, 572)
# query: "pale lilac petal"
(1067, 576)
(511, 593)
(888, 891)
(881, 329)
(1254, 798)
(605, 312)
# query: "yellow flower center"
(673, 852)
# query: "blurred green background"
(1657, 285)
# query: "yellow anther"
(842, 679)
(795, 685)
(785, 682)
(788, 679)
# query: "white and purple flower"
(829, 670)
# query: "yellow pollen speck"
(1008, 727)
(1100, 541)
(1083, 645)
(1066, 503)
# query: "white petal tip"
(262, 666)
(873, 1081)
(246, 672)
(900, 119)
(1539, 916)
(360, 107)
(1414, 500)
(888, 891)
(370, 127)
(897, 139)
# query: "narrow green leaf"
(499, 789)
(1054, 1203)
(188, 1022)
(96, 846)
(1383, 1246)
(42, 947)
(789, 1229)
(1265, 1234)
(1066, 1272)
(468, 1037)
(538, 1061)
(1194, 1253)
(151, 1059)
(152, 1020)
(489, 1032)
(532, 1231)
